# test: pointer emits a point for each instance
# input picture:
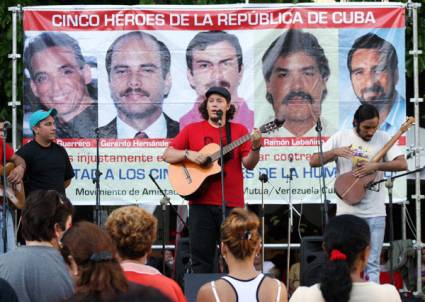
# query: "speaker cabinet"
(312, 260)
(193, 282)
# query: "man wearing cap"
(205, 209)
(48, 164)
(14, 177)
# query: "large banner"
(139, 73)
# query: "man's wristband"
(186, 153)
(256, 149)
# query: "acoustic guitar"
(188, 178)
(15, 193)
(352, 189)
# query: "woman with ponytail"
(347, 246)
(91, 254)
(240, 242)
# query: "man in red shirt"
(14, 177)
(205, 209)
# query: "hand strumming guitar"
(196, 157)
(365, 168)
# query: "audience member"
(240, 242)
(91, 254)
(347, 246)
(134, 230)
(37, 271)
(7, 294)
(143, 294)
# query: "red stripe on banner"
(164, 142)
(232, 19)
(305, 141)
(111, 143)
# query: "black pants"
(204, 234)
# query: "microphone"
(7, 125)
(219, 116)
(263, 177)
(318, 125)
(291, 167)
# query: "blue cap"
(40, 115)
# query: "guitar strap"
(229, 155)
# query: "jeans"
(204, 235)
(377, 232)
(9, 231)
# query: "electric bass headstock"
(271, 126)
(407, 124)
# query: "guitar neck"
(231, 146)
(378, 156)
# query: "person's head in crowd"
(373, 66)
(133, 230)
(138, 67)
(43, 126)
(346, 244)
(366, 121)
(239, 234)
(91, 254)
(296, 70)
(214, 58)
(46, 216)
(217, 98)
(143, 294)
(59, 74)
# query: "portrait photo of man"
(296, 71)
(214, 59)
(60, 78)
(138, 68)
(372, 64)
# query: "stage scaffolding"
(412, 9)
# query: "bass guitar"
(15, 192)
(352, 189)
(187, 178)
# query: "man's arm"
(17, 174)
(331, 155)
(397, 164)
(173, 156)
(251, 160)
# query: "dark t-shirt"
(47, 167)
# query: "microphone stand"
(291, 210)
(165, 200)
(389, 183)
(220, 129)
(325, 215)
(5, 189)
(96, 180)
(263, 178)
(291, 218)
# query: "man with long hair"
(205, 209)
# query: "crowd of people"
(66, 261)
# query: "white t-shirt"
(360, 292)
(373, 204)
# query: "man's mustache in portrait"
(221, 83)
(297, 94)
(138, 91)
